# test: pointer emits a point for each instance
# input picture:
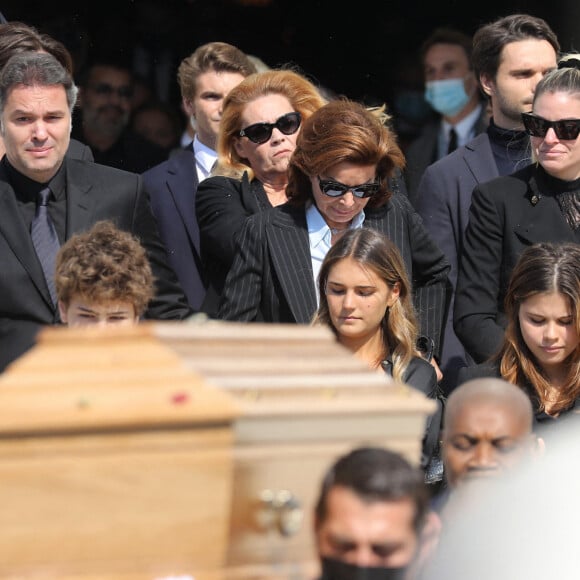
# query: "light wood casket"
(180, 448)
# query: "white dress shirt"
(465, 130)
(205, 159)
(320, 237)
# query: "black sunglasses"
(123, 92)
(565, 129)
(262, 132)
(336, 189)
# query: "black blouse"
(541, 418)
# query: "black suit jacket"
(222, 206)
(78, 150)
(482, 370)
(422, 152)
(443, 199)
(271, 278)
(507, 214)
(94, 192)
(172, 187)
(130, 152)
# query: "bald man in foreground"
(487, 431)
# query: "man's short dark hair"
(35, 68)
(17, 37)
(489, 40)
(376, 474)
(447, 36)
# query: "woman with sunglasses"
(258, 129)
(540, 203)
(540, 351)
(338, 180)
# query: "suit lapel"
(479, 159)
(290, 253)
(383, 220)
(13, 228)
(79, 203)
(250, 192)
(182, 182)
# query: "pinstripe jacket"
(271, 279)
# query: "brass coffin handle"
(281, 510)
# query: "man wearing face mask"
(452, 91)
(510, 56)
(372, 520)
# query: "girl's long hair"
(376, 252)
(541, 268)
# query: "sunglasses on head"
(262, 132)
(124, 92)
(336, 189)
(565, 129)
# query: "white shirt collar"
(465, 129)
(320, 238)
(205, 158)
(318, 229)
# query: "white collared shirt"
(204, 159)
(320, 238)
(465, 130)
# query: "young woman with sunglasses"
(540, 203)
(259, 125)
(541, 346)
(338, 180)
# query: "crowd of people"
(451, 265)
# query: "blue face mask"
(447, 97)
(336, 570)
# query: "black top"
(130, 152)
(419, 374)
(511, 149)
(490, 369)
(26, 192)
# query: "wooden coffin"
(182, 448)
(115, 460)
(305, 400)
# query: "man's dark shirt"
(131, 152)
(26, 191)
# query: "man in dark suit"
(501, 51)
(17, 37)
(205, 78)
(451, 90)
(36, 99)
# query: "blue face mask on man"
(333, 569)
(446, 96)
